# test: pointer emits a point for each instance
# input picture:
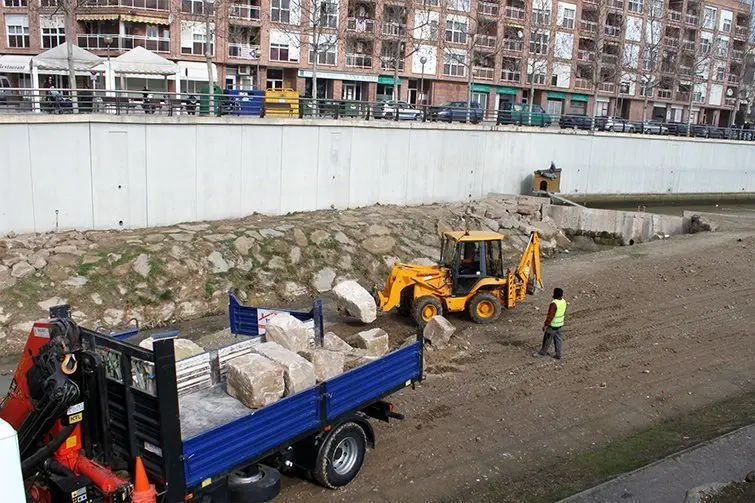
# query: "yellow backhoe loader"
(470, 277)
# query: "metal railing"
(665, 94)
(688, 45)
(511, 76)
(512, 45)
(358, 61)
(360, 25)
(588, 26)
(610, 59)
(162, 5)
(737, 54)
(485, 40)
(585, 55)
(583, 84)
(690, 19)
(740, 32)
(242, 11)
(389, 64)
(611, 30)
(513, 12)
(484, 73)
(122, 42)
(733, 79)
(674, 15)
(392, 29)
(671, 41)
(243, 51)
(487, 9)
(616, 4)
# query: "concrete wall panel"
(172, 174)
(219, 166)
(261, 170)
(333, 168)
(299, 156)
(366, 170)
(16, 180)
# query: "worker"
(553, 326)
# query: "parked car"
(677, 128)
(653, 127)
(519, 114)
(615, 124)
(5, 86)
(575, 121)
(404, 110)
(457, 111)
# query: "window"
(198, 7)
(456, 32)
(723, 47)
(279, 52)
(726, 25)
(705, 45)
(52, 36)
(15, 3)
(601, 108)
(624, 87)
(462, 5)
(720, 72)
(328, 14)
(17, 28)
(541, 16)
(152, 31)
(570, 13)
(539, 42)
(538, 77)
(325, 56)
(698, 97)
(635, 5)
(274, 79)
(198, 43)
(453, 64)
(709, 17)
(280, 12)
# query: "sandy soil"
(652, 331)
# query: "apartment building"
(576, 56)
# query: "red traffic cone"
(144, 492)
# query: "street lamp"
(422, 61)
(255, 55)
(108, 42)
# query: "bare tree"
(743, 65)
(653, 51)
(540, 22)
(68, 10)
(695, 57)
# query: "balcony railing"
(698, 98)
(665, 94)
(674, 15)
(513, 12)
(512, 45)
(607, 87)
(730, 101)
(610, 59)
(484, 40)
(487, 9)
(688, 45)
(585, 55)
(358, 61)
(197, 8)
(718, 78)
(583, 84)
(740, 32)
(243, 51)
(690, 19)
(123, 42)
(481, 72)
(682, 96)
(671, 41)
(241, 11)
(733, 79)
(360, 25)
(685, 70)
(616, 4)
(511, 76)
(737, 54)
(588, 26)
(392, 29)
(389, 64)
(612, 31)
(163, 5)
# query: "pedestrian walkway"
(726, 458)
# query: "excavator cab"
(472, 257)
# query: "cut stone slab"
(327, 364)
(76, 281)
(294, 256)
(379, 245)
(219, 265)
(270, 233)
(287, 331)
(357, 358)
(300, 238)
(255, 380)
(332, 342)
(291, 290)
(141, 265)
(356, 301)
(21, 270)
(243, 244)
(378, 230)
(51, 302)
(438, 331)
(322, 281)
(298, 373)
(374, 341)
(318, 236)
(183, 348)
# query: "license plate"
(76, 418)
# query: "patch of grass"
(330, 244)
(210, 286)
(166, 294)
(569, 475)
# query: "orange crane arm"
(530, 261)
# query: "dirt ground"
(653, 331)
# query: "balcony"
(733, 79)
(698, 98)
(607, 87)
(688, 45)
(358, 61)
(730, 102)
(512, 45)
(360, 25)
(664, 94)
(718, 78)
(247, 12)
(737, 55)
(675, 16)
(511, 76)
(682, 96)
(671, 41)
(583, 84)
(389, 64)
(483, 73)
(740, 32)
(513, 12)
(162, 5)
(588, 26)
(585, 55)
(612, 31)
(392, 29)
(488, 9)
(616, 4)
(690, 19)
(685, 70)
(243, 51)
(610, 59)
(484, 41)
(123, 42)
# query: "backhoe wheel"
(405, 306)
(424, 308)
(484, 308)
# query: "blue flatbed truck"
(198, 445)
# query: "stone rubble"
(255, 380)
(327, 364)
(182, 348)
(438, 331)
(298, 373)
(332, 342)
(374, 341)
(287, 331)
(356, 301)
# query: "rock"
(356, 301)
(21, 270)
(378, 230)
(24, 327)
(254, 380)
(270, 233)
(322, 281)
(423, 261)
(219, 265)
(96, 298)
(288, 332)
(194, 227)
(345, 262)
(700, 493)
(332, 342)
(490, 224)
(546, 230)
(318, 236)
(438, 331)
(190, 308)
(343, 238)
(562, 240)
(379, 245)
(276, 263)
(45, 305)
(327, 364)
(584, 243)
(113, 258)
(112, 316)
(141, 265)
(528, 208)
(750, 477)
(154, 238)
(76, 281)
(294, 256)
(6, 281)
(253, 234)
(243, 244)
(165, 312)
(66, 250)
(183, 237)
(700, 223)
(290, 290)
(357, 358)
(300, 238)
(39, 263)
(390, 261)
(182, 348)
(298, 373)
(374, 341)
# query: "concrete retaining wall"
(111, 172)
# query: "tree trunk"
(396, 59)
(314, 82)
(470, 83)
(689, 108)
(208, 59)
(645, 107)
(68, 23)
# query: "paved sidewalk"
(726, 458)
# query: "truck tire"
(254, 484)
(341, 456)
(484, 308)
(424, 308)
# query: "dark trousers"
(556, 336)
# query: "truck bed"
(207, 409)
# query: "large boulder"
(255, 381)
(182, 348)
(327, 364)
(287, 331)
(357, 358)
(332, 342)
(438, 331)
(374, 341)
(298, 373)
(356, 301)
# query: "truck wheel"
(484, 308)
(424, 308)
(254, 484)
(341, 456)
(405, 306)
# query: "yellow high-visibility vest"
(558, 318)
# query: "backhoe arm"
(530, 261)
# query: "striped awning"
(97, 17)
(145, 19)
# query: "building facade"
(605, 57)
